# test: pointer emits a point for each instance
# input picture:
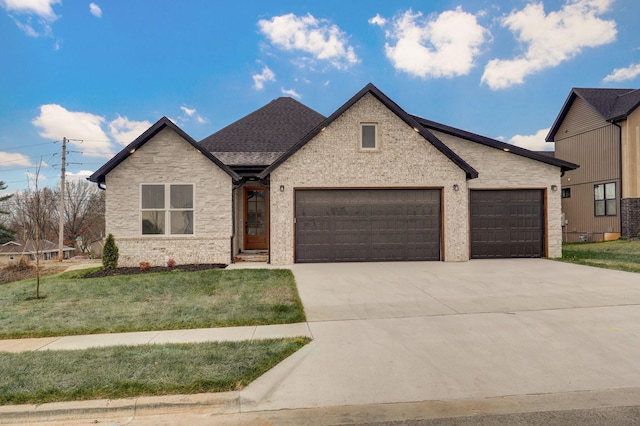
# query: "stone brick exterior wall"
(630, 217)
(167, 158)
(504, 170)
(333, 160)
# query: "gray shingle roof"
(275, 127)
(611, 104)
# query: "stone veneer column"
(630, 215)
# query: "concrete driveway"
(479, 330)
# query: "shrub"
(144, 266)
(110, 253)
(171, 263)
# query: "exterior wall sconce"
(455, 187)
(281, 188)
(554, 187)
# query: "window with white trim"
(605, 199)
(368, 136)
(166, 209)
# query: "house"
(600, 130)
(48, 250)
(368, 183)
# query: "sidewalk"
(199, 335)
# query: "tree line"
(24, 215)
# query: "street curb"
(212, 403)
(253, 394)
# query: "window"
(368, 136)
(167, 204)
(566, 192)
(605, 199)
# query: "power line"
(28, 146)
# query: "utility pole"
(62, 187)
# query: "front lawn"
(130, 371)
(620, 254)
(156, 301)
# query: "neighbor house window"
(605, 199)
(368, 136)
(167, 209)
(566, 192)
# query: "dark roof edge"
(560, 118)
(370, 88)
(564, 165)
(99, 175)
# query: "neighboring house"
(368, 183)
(12, 250)
(600, 130)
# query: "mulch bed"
(136, 270)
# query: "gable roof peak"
(99, 175)
(470, 172)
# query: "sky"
(100, 73)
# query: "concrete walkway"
(229, 334)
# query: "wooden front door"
(256, 218)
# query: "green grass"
(158, 301)
(623, 255)
(128, 371)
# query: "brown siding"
(597, 152)
(579, 211)
(580, 118)
(586, 139)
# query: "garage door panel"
(507, 223)
(367, 225)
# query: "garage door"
(356, 225)
(507, 224)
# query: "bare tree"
(84, 213)
(35, 210)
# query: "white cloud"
(14, 159)
(95, 10)
(260, 79)
(318, 37)
(623, 74)
(80, 175)
(125, 131)
(188, 111)
(443, 45)
(377, 20)
(56, 122)
(533, 142)
(290, 92)
(550, 39)
(42, 10)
